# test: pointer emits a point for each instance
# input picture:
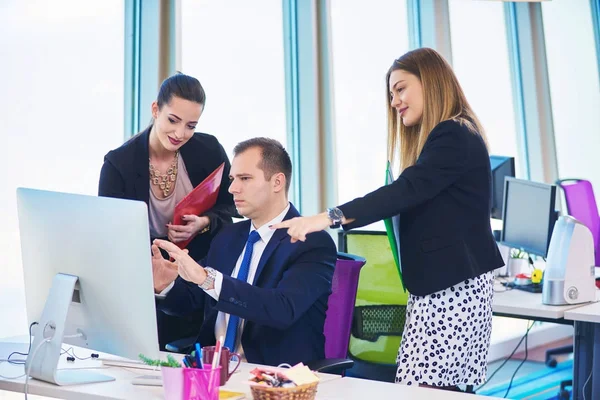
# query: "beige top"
(160, 211)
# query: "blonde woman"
(442, 199)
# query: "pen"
(185, 363)
(191, 361)
(215, 361)
(198, 355)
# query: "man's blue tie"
(234, 320)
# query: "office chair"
(338, 319)
(380, 309)
(581, 204)
(340, 309)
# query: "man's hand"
(193, 225)
(188, 269)
(163, 271)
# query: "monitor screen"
(501, 167)
(528, 215)
(105, 243)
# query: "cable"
(43, 342)
(520, 365)
(22, 354)
(506, 360)
(23, 362)
(585, 384)
(72, 354)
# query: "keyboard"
(532, 287)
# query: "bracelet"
(206, 229)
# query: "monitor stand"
(42, 361)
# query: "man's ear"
(278, 182)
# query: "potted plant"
(518, 262)
(172, 376)
(171, 361)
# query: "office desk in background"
(516, 303)
(525, 305)
(587, 347)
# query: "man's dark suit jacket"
(444, 203)
(125, 175)
(284, 310)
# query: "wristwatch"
(209, 282)
(336, 216)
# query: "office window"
(62, 110)
(366, 39)
(574, 88)
(481, 63)
(235, 49)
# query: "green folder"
(392, 230)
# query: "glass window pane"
(62, 102)
(481, 63)
(235, 49)
(574, 88)
(366, 39)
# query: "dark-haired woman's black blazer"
(125, 175)
(444, 203)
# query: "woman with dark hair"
(442, 199)
(162, 164)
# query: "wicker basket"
(302, 392)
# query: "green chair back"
(380, 299)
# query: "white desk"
(585, 313)
(330, 386)
(119, 389)
(520, 304)
(352, 388)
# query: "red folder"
(200, 200)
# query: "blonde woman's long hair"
(443, 99)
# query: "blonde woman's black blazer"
(444, 203)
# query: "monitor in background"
(528, 215)
(88, 279)
(501, 167)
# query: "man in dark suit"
(265, 295)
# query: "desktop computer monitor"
(528, 215)
(501, 167)
(88, 278)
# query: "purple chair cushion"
(581, 204)
(338, 322)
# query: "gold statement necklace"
(166, 182)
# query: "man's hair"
(275, 158)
